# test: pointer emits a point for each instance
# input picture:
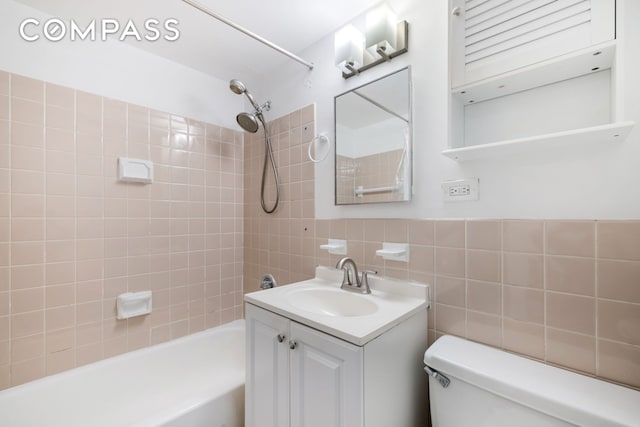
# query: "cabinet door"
(490, 37)
(326, 380)
(267, 375)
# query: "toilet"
(473, 385)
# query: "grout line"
(466, 278)
(544, 287)
(10, 263)
(44, 219)
(502, 281)
(597, 298)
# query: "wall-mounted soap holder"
(135, 170)
(133, 304)
(336, 247)
(394, 252)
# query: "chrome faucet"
(351, 280)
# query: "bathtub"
(194, 381)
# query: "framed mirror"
(374, 141)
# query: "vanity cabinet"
(298, 376)
(533, 75)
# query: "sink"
(332, 302)
(356, 318)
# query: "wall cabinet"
(532, 74)
(299, 376)
(491, 37)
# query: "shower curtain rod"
(249, 33)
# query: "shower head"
(239, 88)
(248, 122)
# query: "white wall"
(116, 70)
(597, 182)
(387, 135)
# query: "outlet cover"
(460, 190)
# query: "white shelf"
(615, 132)
(335, 247)
(394, 251)
(584, 61)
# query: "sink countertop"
(396, 299)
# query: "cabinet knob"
(293, 345)
(456, 11)
(281, 337)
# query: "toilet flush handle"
(444, 381)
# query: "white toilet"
(472, 385)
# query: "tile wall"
(282, 243)
(72, 237)
(373, 171)
(563, 292)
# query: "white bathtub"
(194, 381)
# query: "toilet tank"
(492, 388)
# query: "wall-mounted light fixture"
(384, 39)
(348, 49)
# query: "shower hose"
(268, 155)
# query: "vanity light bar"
(370, 62)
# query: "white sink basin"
(356, 318)
(332, 302)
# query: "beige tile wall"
(376, 170)
(563, 292)
(281, 243)
(379, 170)
(346, 169)
(72, 237)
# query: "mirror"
(373, 141)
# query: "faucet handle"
(364, 282)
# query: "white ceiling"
(212, 47)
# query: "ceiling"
(210, 46)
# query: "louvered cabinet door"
(491, 37)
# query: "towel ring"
(322, 138)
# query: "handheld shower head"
(239, 88)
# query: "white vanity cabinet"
(267, 373)
(298, 376)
